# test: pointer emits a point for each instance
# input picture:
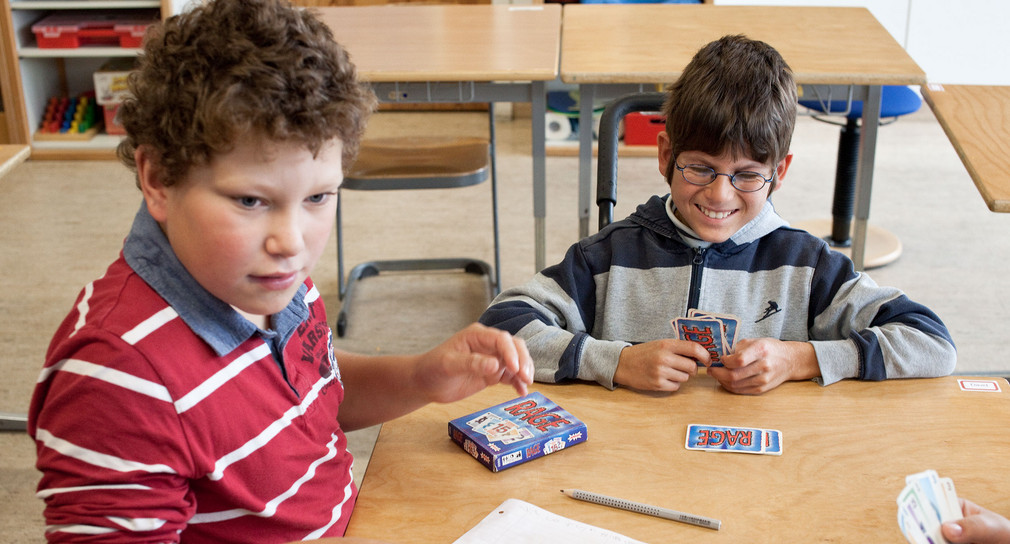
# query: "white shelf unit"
(49, 72)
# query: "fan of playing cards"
(715, 332)
(925, 503)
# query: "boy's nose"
(722, 188)
(285, 237)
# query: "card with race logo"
(926, 502)
(733, 439)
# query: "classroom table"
(976, 119)
(835, 54)
(11, 156)
(458, 54)
(847, 448)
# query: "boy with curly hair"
(193, 394)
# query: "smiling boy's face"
(251, 225)
(718, 210)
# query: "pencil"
(665, 513)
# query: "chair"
(882, 247)
(606, 164)
(395, 164)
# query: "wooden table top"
(846, 451)
(410, 43)
(652, 43)
(976, 118)
(11, 156)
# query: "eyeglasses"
(701, 175)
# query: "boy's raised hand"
(659, 365)
(758, 365)
(471, 360)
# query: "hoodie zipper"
(697, 265)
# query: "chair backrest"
(609, 133)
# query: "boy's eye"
(319, 198)
(247, 201)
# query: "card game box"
(517, 431)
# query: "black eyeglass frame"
(715, 175)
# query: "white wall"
(953, 41)
(966, 41)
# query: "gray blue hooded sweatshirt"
(625, 284)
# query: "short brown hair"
(229, 68)
(736, 95)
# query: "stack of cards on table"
(925, 503)
(733, 439)
(516, 431)
(716, 332)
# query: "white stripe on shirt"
(271, 507)
(149, 325)
(83, 307)
(221, 377)
(46, 493)
(314, 535)
(311, 295)
(269, 433)
(108, 375)
(95, 458)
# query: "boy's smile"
(251, 225)
(718, 210)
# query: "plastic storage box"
(71, 30)
(642, 128)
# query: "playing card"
(730, 324)
(926, 502)
(733, 439)
(772, 442)
(919, 518)
(950, 495)
(706, 331)
(928, 484)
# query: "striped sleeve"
(128, 483)
(865, 331)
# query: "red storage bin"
(642, 128)
(71, 30)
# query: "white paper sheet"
(519, 522)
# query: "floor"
(63, 222)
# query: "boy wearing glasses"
(715, 244)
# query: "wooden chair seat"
(428, 162)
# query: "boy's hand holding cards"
(715, 332)
(926, 502)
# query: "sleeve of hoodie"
(864, 331)
(554, 313)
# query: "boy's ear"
(150, 181)
(665, 152)
(780, 172)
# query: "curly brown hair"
(229, 68)
(735, 95)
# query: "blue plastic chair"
(895, 101)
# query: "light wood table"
(846, 451)
(835, 53)
(458, 54)
(976, 118)
(11, 156)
